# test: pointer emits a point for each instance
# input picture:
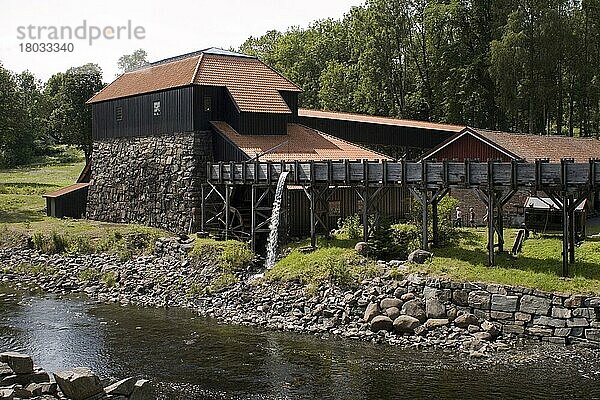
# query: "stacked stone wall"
(153, 180)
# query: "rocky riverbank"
(21, 379)
(409, 310)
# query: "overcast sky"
(170, 27)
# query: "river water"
(194, 358)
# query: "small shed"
(543, 215)
(69, 201)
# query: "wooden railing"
(541, 174)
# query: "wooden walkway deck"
(567, 183)
(540, 174)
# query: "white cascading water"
(274, 225)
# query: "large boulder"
(362, 248)
(392, 312)
(463, 321)
(390, 302)
(371, 312)
(406, 324)
(78, 383)
(435, 323)
(142, 390)
(414, 308)
(419, 256)
(382, 323)
(493, 329)
(18, 362)
(37, 376)
(123, 387)
(434, 308)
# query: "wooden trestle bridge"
(567, 183)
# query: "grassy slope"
(22, 208)
(538, 266)
(334, 260)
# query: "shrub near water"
(230, 255)
(327, 264)
(125, 244)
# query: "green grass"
(23, 216)
(30, 269)
(333, 261)
(230, 255)
(538, 266)
(21, 189)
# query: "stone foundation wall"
(152, 180)
(553, 317)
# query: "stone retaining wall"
(553, 317)
(401, 308)
(152, 180)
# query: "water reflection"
(195, 358)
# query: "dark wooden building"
(398, 138)
(155, 129)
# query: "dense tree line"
(34, 116)
(518, 65)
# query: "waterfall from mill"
(274, 225)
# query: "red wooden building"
(484, 145)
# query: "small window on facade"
(119, 113)
(156, 108)
(207, 103)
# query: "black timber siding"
(291, 99)
(217, 113)
(262, 124)
(176, 106)
(71, 205)
(395, 204)
(222, 107)
(378, 134)
(225, 150)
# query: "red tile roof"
(150, 79)
(530, 147)
(301, 143)
(371, 119)
(253, 85)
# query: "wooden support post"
(491, 200)
(490, 221)
(566, 204)
(365, 213)
(571, 230)
(365, 210)
(424, 203)
(500, 227)
(253, 206)
(565, 238)
(227, 205)
(313, 231)
(434, 221)
(202, 208)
